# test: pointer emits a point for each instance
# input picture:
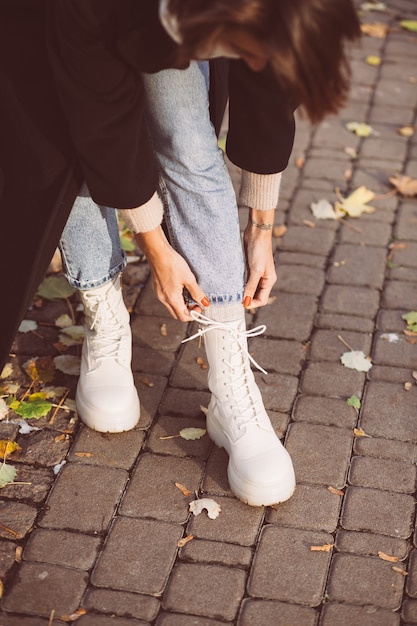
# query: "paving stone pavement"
(91, 525)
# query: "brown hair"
(304, 39)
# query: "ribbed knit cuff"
(259, 191)
(144, 218)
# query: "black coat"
(72, 109)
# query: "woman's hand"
(259, 259)
(170, 274)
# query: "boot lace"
(107, 340)
(243, 405)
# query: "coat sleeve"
(261, 121)
(103, 101)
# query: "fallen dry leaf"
(309, 224)
(8, 447)
(163, 330)
(323, 210)
(359, 432)
(185, 540)
(388, 557)
(405, 185)
(337, 492)
(201, 362)
(356, 203)
(279, 231)
(145, 381)
(299, 162)
(360, 129)
(18, 554)
(73, 616)
(82, 455)
(213, 509)
(324, 548)
(399, 570)
(376, 29)
(373, 59)
(190, 434)
(186, 492)
(356, 360)
(408, 386)
(406, 131)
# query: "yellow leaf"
(406, 185)
(324, 548)
(185, 540)
(359, 432)
(360, 128)
(388, 557)
(377, 29)
(356, 203)
(373, 60)
(7, 447)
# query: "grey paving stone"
(308, 240)
(298, 575)
(237, 523)
(320, 454)
(386, 448)
(20, 620)
(398, 295)
(409, 611)
(84, 498)
(391, 320)
(122, 603)
(357, 265)
(331, 133)
(326, 411)
(278, 391)
(345, 615)
(151, 491)
(157, 332)
(62, 548)
(389, 411)
(164, 437)
(331, 379)
(367, 233)
(278, 355)
(311, 507)
(403, 273)
(32, 484)
(148, 546)
(300, 258)
(108, 449)
(406, 225)
(263, 612)
(150, 361)
(337, 321)
(215, 478)
(366, 471)
(396, 116)
(349, 300)
(364, 580)
(188, 373)
(406, 254)
(176, 619)
(391, 374)
(326, 345)
(179, 402)
(299, 279)
(7, 557)
(18, 517)
(208, 590)
(150, 397)
(42, 588)
(107, 620)
(369, 544)
(380, 148)
(327, 169)
(41, 448)
(411, 584)
(376, 511)
(216, 552)
(291, 316)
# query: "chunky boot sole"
(250, 492)
(111, 423)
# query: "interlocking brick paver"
(344, 322)
(277, 613)
(345, 615)
(62, 548)
(409, 611)
(7, 556)
(175, 619)
(148, 546)
(164, 437)
(412, 575)
(13, 620)
(42, 588)
(369, 544)
(321, 454)
(369, 234)
(300, 309)
(327, 345)
(357, 265)
(326, 411)
(399, 295)
(217, 552)
(349, 300)
(152, 361)
(122, 603)
(364, 580)
(278, 355)
(33, 484)
(312, 507)
(278, 390)
(304, 239)
(152, 492)
(406, 226)
(109, 620)
(209, 590)
(300, 258)
(386, 474)
(111, 450)
(389, 411)
(158, 333)
(188, 372)
(77, 487)
(378, 511)
(299, 574)
(183, 403)
(150, 393)
(17, 517)
(386, 448)
(300, 279)
(391, 374)
(331, 379)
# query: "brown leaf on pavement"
(399, 570)
(324, 548)
(377, 29)
(182, 542)
(337, 492)
(405, 185)
(183, 489)
(388, 557)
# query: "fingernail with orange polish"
(205, 301)
(247, 301)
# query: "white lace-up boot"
(260, 470)
(106, 396)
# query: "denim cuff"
(144, 218)
(259, 191)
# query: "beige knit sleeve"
(144, 218)
(259, 191)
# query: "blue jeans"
(200, 205)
